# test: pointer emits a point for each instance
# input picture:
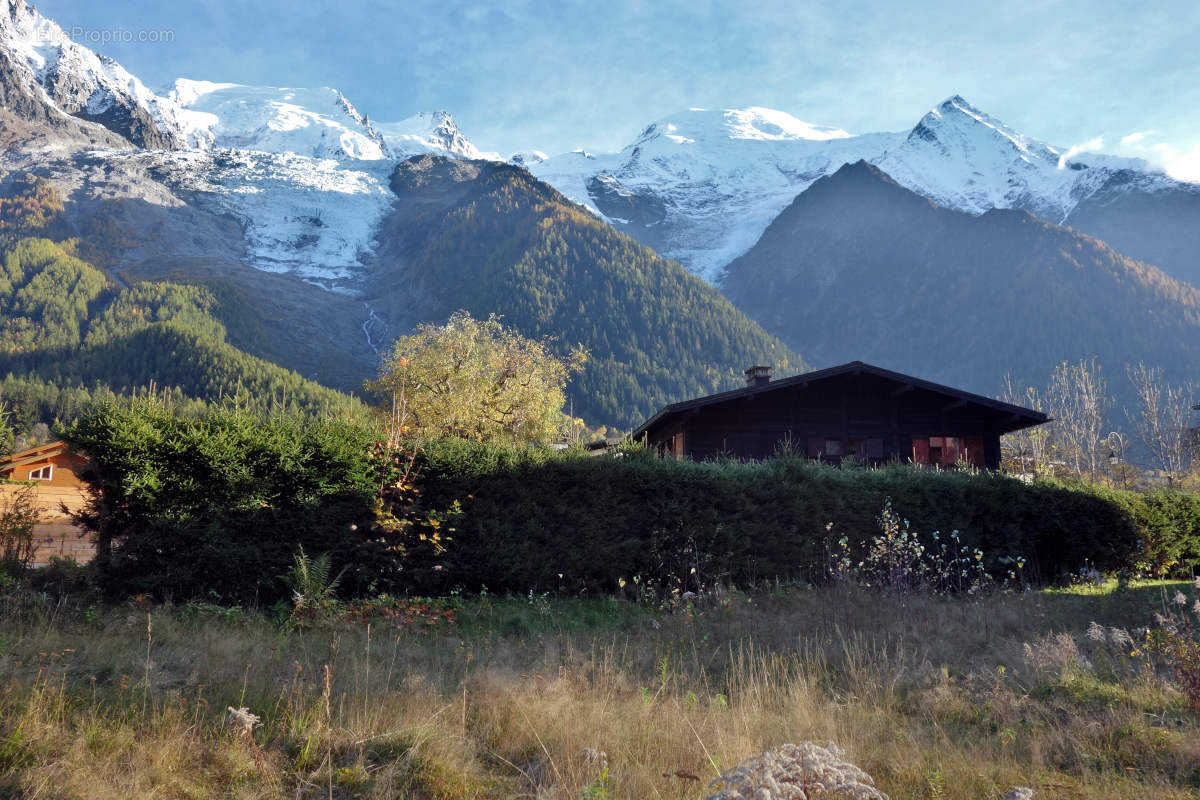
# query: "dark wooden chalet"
(854, 409)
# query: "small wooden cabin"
(54, 471)
(855, 409)
(50, 464)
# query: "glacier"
(306, 174)
(721, 176)
(301, 169)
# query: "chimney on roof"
(758, 375)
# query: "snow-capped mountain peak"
(426, 132)
(956, 119)
(963, 158)
(702, 185)
(320, 123)
(44, 62)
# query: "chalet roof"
(31, 455)
(1019, 416)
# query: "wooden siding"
(55, 534)
(866, 412)
(64, 474)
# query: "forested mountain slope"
(490, 238)
(66, 322)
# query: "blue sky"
(556, 75)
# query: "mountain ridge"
(957, 298)
(714, 181)
(491, 238)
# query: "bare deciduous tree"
(1161, 419)
(1026, 448)
(1077, 400)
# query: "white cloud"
(1182, 165)
(1090, 146)
(1136, 138)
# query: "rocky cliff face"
(44, 75)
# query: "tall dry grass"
(934, 698)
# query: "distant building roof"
(1018, 417)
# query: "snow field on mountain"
(723, 176)
(306, 173)
(310, 122)
(311, 217)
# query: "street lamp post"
(1115, 457)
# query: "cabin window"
(940, 450)
(946, 451)
(42, 473)
(675, 446)
(819, 446)
(865, 448)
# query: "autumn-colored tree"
(477, 379)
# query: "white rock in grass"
(796, 772)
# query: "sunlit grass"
(1110, 586)
(935, 698)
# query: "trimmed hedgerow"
(530, 517)
(1169, 524)
(216, 505)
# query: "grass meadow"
(567, 697)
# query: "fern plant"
(313, 588)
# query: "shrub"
(215, 506)
(1176, 642)
(18, 514)
(1169, 524)
(529, 515)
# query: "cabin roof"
(1019, 416)
(31, 455)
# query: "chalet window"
(940, 450)
(42, 473)
(819, 446)
(865, 448)
(946, 451)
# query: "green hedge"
(529, 516)
(1169, 525)
(214, 506)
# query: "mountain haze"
(858, 266)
